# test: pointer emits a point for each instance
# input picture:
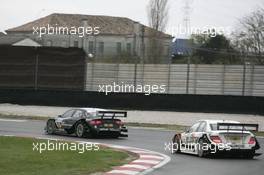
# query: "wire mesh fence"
(41, 68)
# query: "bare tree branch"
(250, 36)
(158, 17)
(158, 14)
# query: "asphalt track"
(180, 164)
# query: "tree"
(158, 17)
(213, 50)
(158, 14)
(249, 38)
(199, 39)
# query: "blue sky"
(218, 13)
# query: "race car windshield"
(213, 127)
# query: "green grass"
(18, 158)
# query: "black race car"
(89, 122)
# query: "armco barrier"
(168, 102)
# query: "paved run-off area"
(155, 117)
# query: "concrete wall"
(202, 79)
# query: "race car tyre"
(176, 145)
(200, 151)
(115, 136)
(250, 155)
(51, 127)
(89, 133)
(80, 130)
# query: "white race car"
(209, 137)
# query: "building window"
(129, 48)
(101, 48)
(75, 43)
(118, 48)
(91, 47)
(49, 43)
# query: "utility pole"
(187, 25)
(186, 16)
(142, 44)
(143, 52)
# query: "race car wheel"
(80, 130)
(250, 155)
(51, 127)
(200, 151)
(176, 144)
(115, 135)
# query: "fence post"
(252, 79)
(195, 79)
(85, 75)
(223, 79)
(244, 77)
(169, 75)
(117, 72)
(92, 76)
(188, 75)
(135, 74)
(36, 70)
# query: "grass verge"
(18, 158)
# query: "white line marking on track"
(123, 172)
(12, 120)
(135, 166)
(139, 152)
(146, 161)
(8, 135)
(152, 157)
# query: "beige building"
(117, 36)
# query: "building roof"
(182, 47)
(108, 24)
(11, 40)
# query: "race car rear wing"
(237, 127)
(111, 114)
